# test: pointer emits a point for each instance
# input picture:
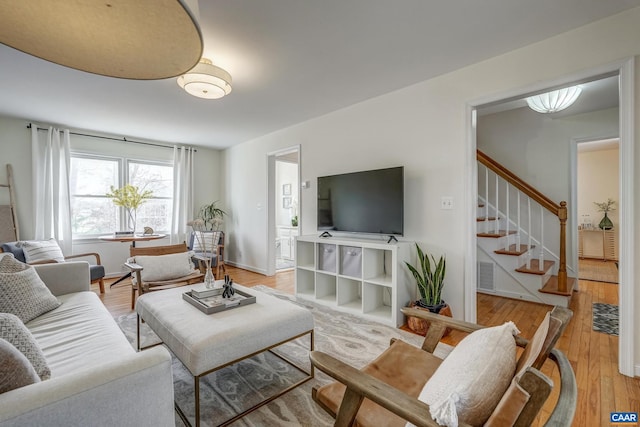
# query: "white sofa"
(97, 378)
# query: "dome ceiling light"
(206, 80)
(554, 101)
(129, 39)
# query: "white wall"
(598, 180)
(424, 128)
(286, 173)
(15, 149)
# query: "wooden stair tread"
(551, 287)
(484, 218)
(500, 233)
(512, 250)
(535, 267)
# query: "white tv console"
(360, 276)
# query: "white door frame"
(271, 204)
(625, 70)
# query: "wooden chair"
(96, 269)
(366, 398)
(142, 286)
(217, 260)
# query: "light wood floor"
(593, 355)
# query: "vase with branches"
(606, 207)
(199, 228)
(131, 198)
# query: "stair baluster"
(497, 220)
(541, 256)
(529, 230)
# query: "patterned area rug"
(598, 270)
(605, 318)
(226, 392)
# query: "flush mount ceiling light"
(131, 39)
(554, 101)
(206, 80)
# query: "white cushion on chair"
(470, 382)
(41, 250)
(206, 239)
(164, 267)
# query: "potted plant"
(212, 216)
(606, 207)
(430, 280)
(130, 198)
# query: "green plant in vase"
(429, 276)
(212, 216)
(606, 207)
(130, 198)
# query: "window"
(94, 214)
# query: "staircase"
(521, 239)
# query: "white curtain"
(183, 185)
(51, 201)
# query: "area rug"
(227, 392)
(598, 270)
(605, 318)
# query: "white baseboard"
(637, 371)
(247, 267)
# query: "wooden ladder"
(9, 230)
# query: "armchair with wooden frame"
(375, 396)
(96, 269)
(181, 277)
(214, 243)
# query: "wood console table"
(598, 244)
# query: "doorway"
(625, 70)
(597, 191)
(284, 209)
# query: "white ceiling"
(291, 60)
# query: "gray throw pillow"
(14, 331)
(22, 292)
(15, 370)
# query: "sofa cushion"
(22, 292)
(164, 267)
(15, 369)
(472, 379)
(17, 334)
(41, 250)
(79, 334)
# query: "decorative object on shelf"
(606, 207)
(212, 216)
(294, 221)
(198, 226)
(228, 287)
(430, 281)
(205, 80)
(554, 101)
(130, 198)
(148, 231)
(128, 40)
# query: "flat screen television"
(362, 202)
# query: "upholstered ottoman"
(205, 343)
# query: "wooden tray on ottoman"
(215, 303)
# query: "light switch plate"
(446, 202)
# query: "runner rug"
(605, 318)
(598, 270)
(227, 392)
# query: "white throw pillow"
(22, 292)
(165, 267)
(41, 250)
(470, 382)
(15, 370)
(17, 334)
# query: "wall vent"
(486, 275)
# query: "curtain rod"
(123, 139)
